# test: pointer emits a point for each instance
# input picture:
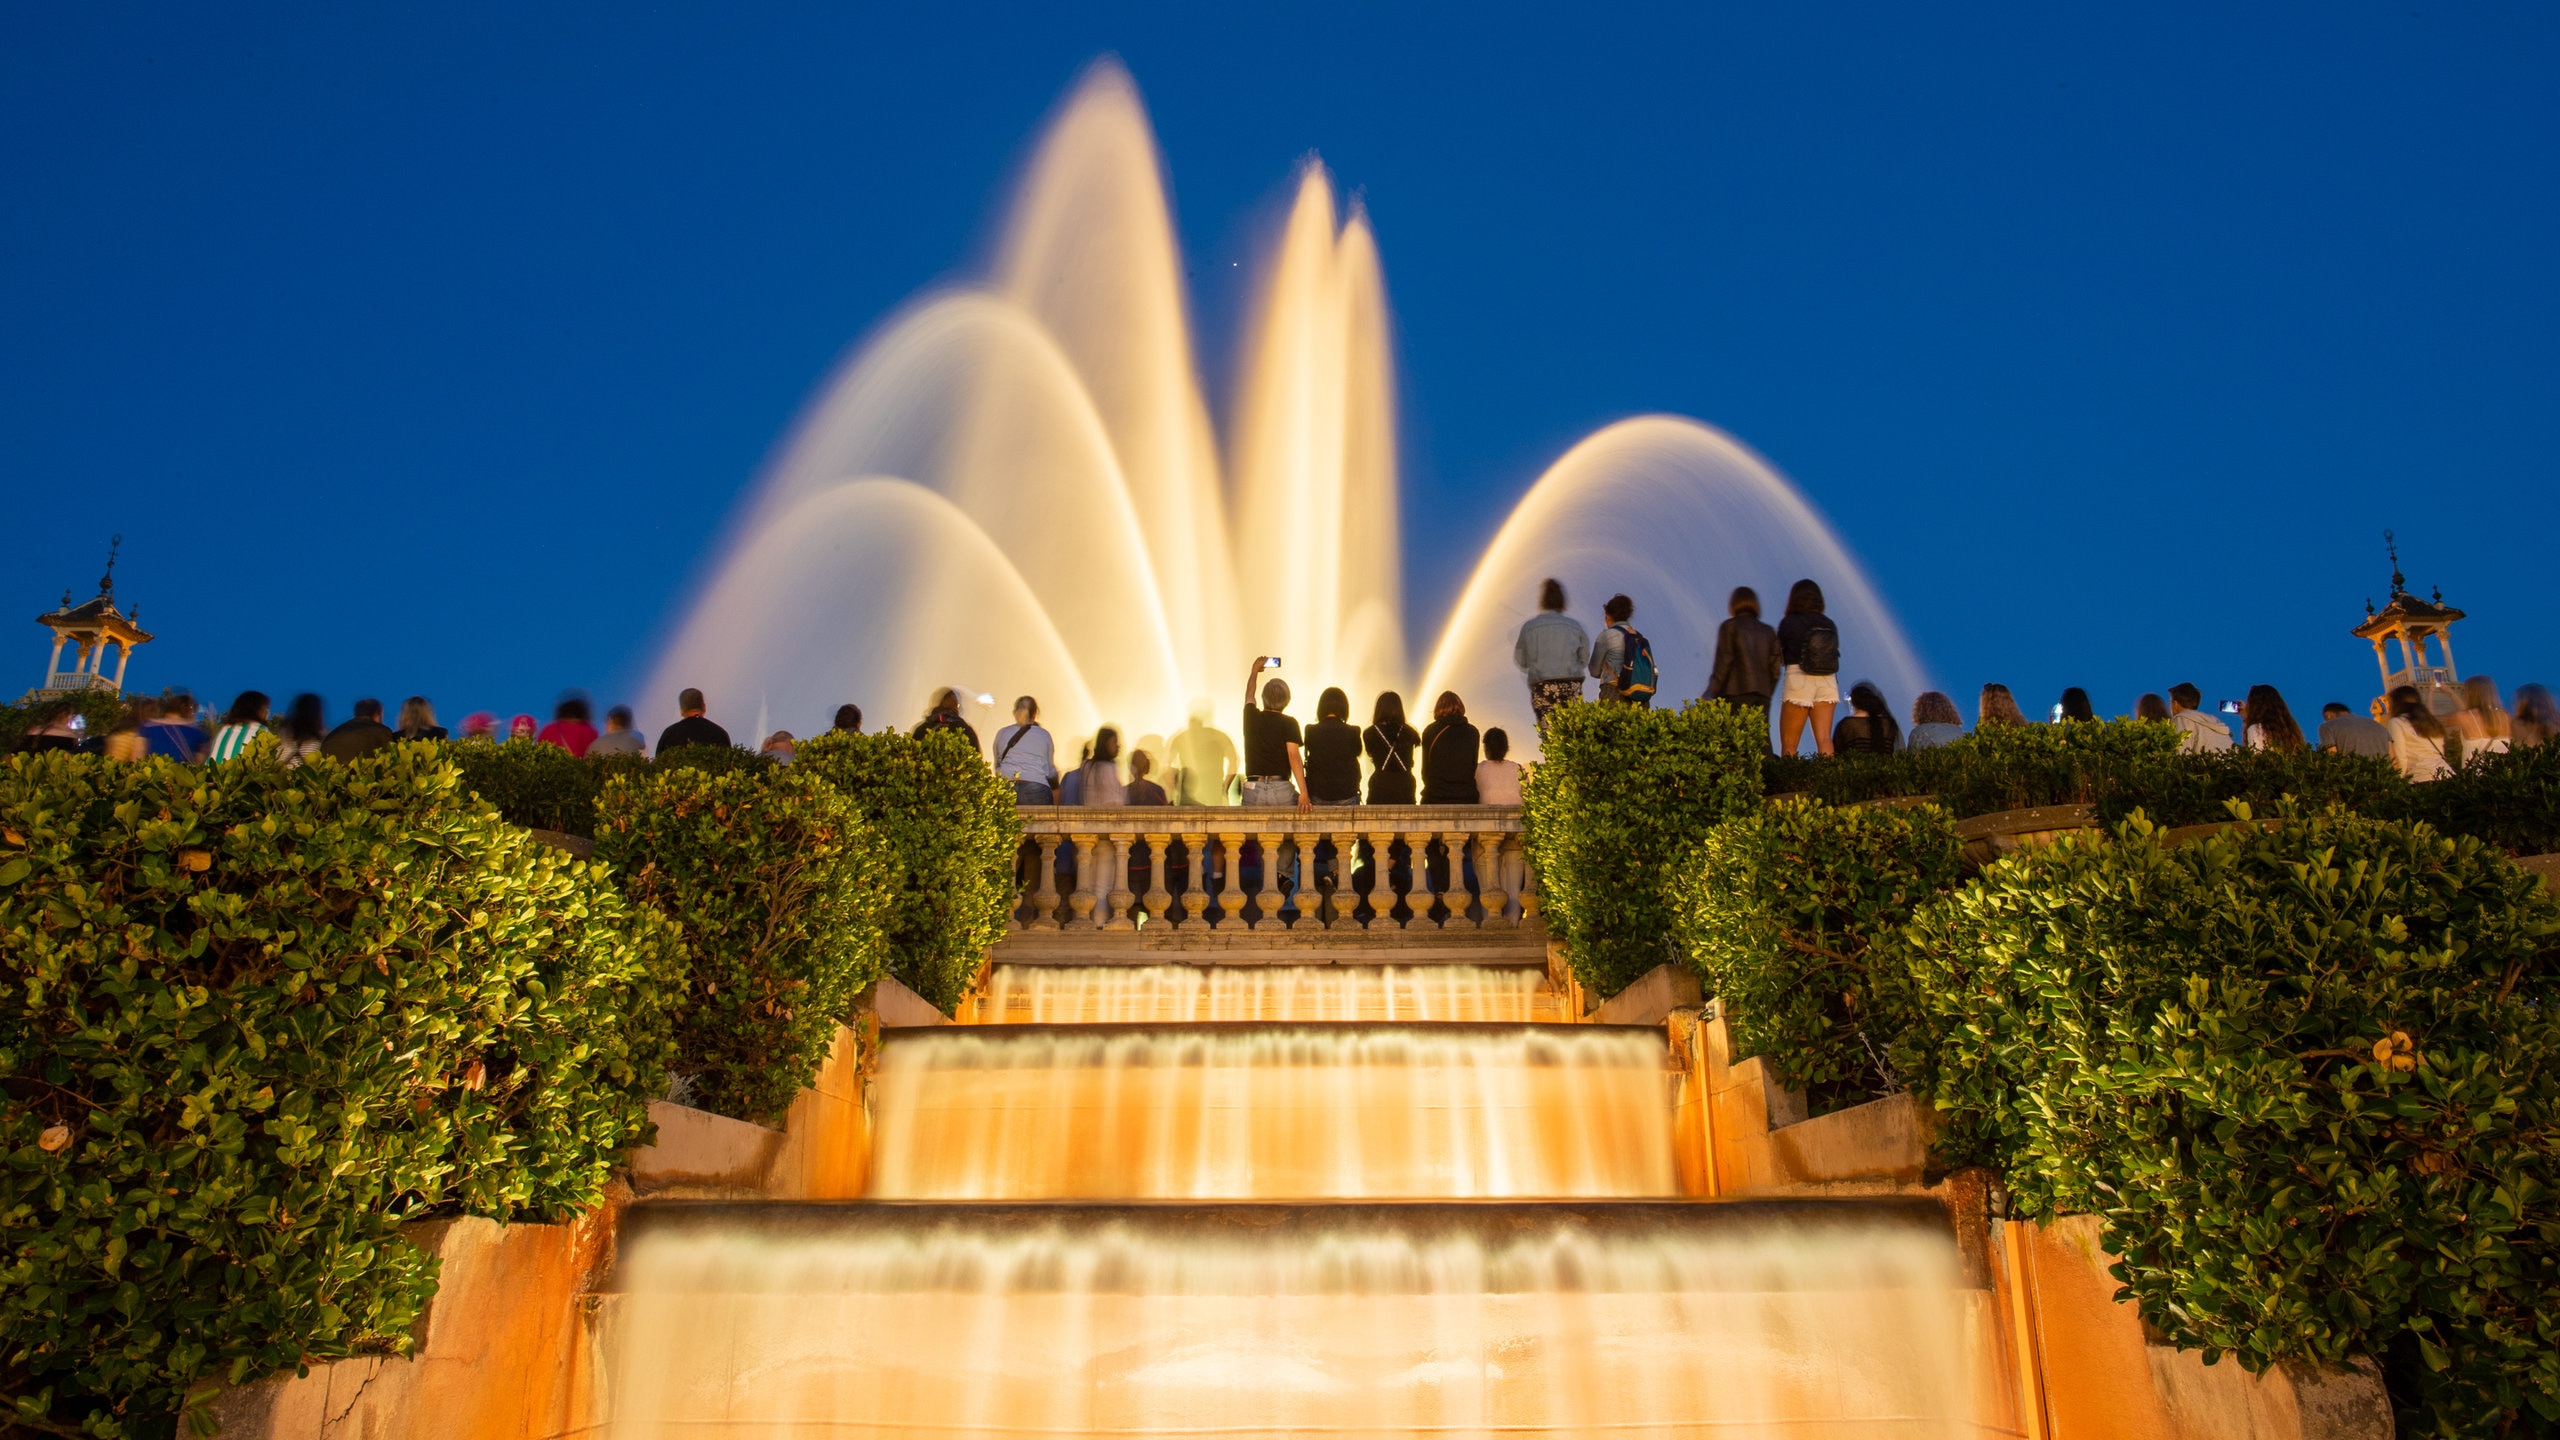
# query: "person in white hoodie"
(2198, 732)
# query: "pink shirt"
(573, 736)
(1498, 782)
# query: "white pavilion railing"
(1120, 867)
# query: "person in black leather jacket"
(1747, 655)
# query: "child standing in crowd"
(1498, 775)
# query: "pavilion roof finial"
(2391, 547)
(107, 582)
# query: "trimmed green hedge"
(951, 829)
(254, 1020)
(2511, 800)
(547, 788)
(2309, 1077)
(2121, 766)
(780, 889)
(1615, 815)
(1793, 917)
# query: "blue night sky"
(424, 349)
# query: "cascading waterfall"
(1014, 487)
(1123, 994)
(1652, 1320)
(1258, 1111)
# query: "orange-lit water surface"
(1272, 1112)
(1107, 994)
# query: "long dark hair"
(1106, 743)
(1449, 707)
(2407, 704)
(1333, 704)
(2150, 707)
(305, 721)
(1934, 708)
(249, 709)
(2076, 706)
(1804, 598)
(2266, 709)
(1388, 713)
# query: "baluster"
(1497, 897)
(1231, 894)
(1044, 913)
(1086, 877)
(1418, 894)
(1159, 899)
(1346, 901)
(1115, 863)
(1459, 895)
(1528, 885)
(1194, 892)
(1267, 899)
(1382, 895)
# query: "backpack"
(1636, 674)
(1821, 649)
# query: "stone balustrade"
(1204, 868)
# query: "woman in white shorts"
(1810, 645)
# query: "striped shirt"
(231, 739)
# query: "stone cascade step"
(1264, 1110)
(1671, 1321)
(1277, 991)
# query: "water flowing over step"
(1118, 994)
(1275, 1111)
(1659, 1319)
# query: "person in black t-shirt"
(1275, 773)
(1333, 752)
(1391, 744)
(693, 729)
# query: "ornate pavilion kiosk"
(89, 629)
(2413, 622)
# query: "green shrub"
(2511, 800)
(100, 710)
(1784, 918)
(779, 888)
(538, 785)
(2310, 1079)
(2176, 789)
(950, 825)
(254, 1020)
(1615, 814)
(717, 759)
(2119, 766)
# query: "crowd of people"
(1331, 761)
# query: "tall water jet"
(1314, 460)
(1674, 514)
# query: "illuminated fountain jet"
(1014, 488)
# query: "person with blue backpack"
(1622, 659)
(1810, 645)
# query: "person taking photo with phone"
(1275, 770)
